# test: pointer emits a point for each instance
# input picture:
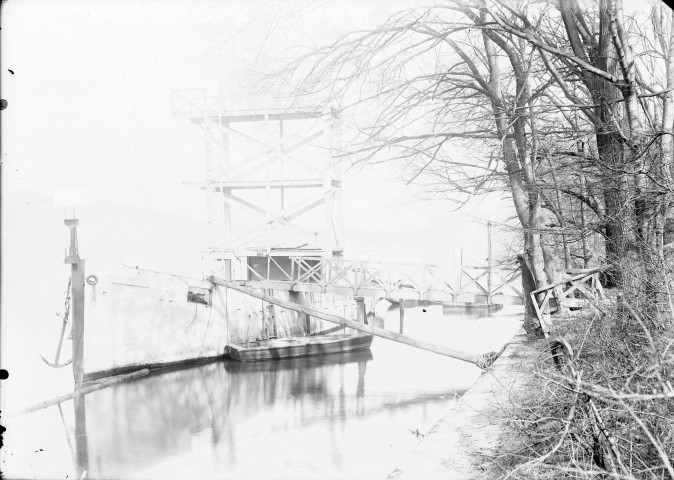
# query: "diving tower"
(273, 188)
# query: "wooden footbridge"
(483, 285)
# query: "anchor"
(56, 363)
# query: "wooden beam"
(489, 262)
(276, 184)
(379, 332)
(361, 314)
(253, 162)
(219, 185)
(302, 209)
(568, 280)
(244, 203)
(82, 391)
(401, 308)
(474, 281)
(249, 115)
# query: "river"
(344, 416)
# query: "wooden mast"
(77, 285)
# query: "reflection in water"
(346, 415)
(131, 428)
(81, 447)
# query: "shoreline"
(462, 443)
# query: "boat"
(279, 348)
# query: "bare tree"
(441, 82)
(529, 97)
(595, 49)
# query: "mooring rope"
(66, 308)
(486, 360)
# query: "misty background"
(89, 123)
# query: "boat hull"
(299, 347)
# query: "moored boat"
(279, 348)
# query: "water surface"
(338, 416)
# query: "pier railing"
(394, 281)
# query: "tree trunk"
(531, 324)
(553, 271)
(618, 192)
(619, 196)
(619, 201)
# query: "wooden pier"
(483, 285)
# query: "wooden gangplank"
(482, 360)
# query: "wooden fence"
(578, 290)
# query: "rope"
(66, 307)
(486, 360)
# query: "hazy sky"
(90, 98)
(90, 120)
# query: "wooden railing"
(576, 291)
(394, 281)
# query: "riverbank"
(462, 444)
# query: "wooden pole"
(489, 263)
(379, 332)
(401, 309)
(299, 298)
(210, 190)
(360, 310)
(586, 256)
(226, 207)
(282, 164)
(272, 316)
(82, 391)
(77, 268)
(461, 271)
(78, 320)
(263, 318)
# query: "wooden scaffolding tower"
(272, 187)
